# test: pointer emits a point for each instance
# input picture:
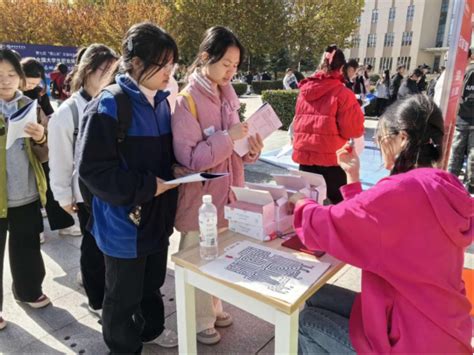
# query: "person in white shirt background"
(92, 73)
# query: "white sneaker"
(97, 312)
(43, 213)
(41, 302)
(42, 238)
(73, 231)
(167, 339)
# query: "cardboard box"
(253, 231)
(253, 207)
(310, 184)
(282, 218)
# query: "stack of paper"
(264, 121)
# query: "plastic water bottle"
(208, 228)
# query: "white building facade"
(410, 32)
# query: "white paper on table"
(267, 271)
(18, 121)
(264, 121)
(196, 178)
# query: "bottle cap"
(207, 199)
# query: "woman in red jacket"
(327, 116)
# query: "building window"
(370, 61)
(356, 41)
(391, 14)
(410, 12)
(406, 61)
(442, 23)
(375, 15)
(389, 39)
(385, 63)
(371, 40)
(437, 61)
(407, 38)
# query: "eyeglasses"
(379, 139)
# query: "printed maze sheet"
(267, 271)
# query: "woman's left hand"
(255, 144)
(295, 200)
(35, 130)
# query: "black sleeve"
(101, 168)
(46, 105)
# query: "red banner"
(457, 62)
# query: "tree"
(315, 24)
(259, 24)
(78, 23)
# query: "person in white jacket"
(93, 72)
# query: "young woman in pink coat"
(204, 142)
(408, 234)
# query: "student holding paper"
(93, 72)
(205, 125)
(132, 209)
(327, 116)
(22, 186)
(408, 234)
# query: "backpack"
(124, 118)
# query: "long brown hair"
(91, 59)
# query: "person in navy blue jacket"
(128, 177)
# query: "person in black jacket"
(35, 77)
(463, 141)
(395, 82)
(410, 85)
(35, 86)
(422, 84)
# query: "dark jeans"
(26, 263)
(57, 217)
(324, 322)
(463, 146)
(381, 105)
(334, 176)
(92, 262)
(133, 310)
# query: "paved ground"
(67, 326)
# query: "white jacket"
(63, 173)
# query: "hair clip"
(130, 44)
(330, 55)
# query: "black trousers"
(26, 263)
(381, 106)
(92, 262)
(133, 310)
(334, 176)
(57, 217)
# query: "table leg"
(286, 332)
(186, 314)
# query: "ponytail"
(333, 59)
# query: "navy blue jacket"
(121, 182)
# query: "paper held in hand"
(264, 121)
(18, 121)
(196, 178)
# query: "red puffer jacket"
(327, 115)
